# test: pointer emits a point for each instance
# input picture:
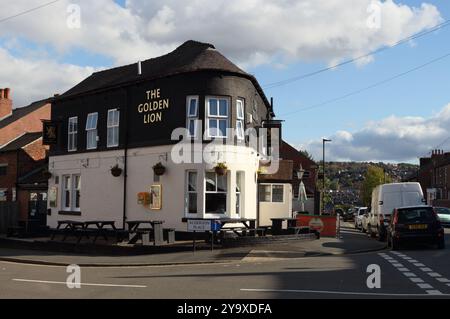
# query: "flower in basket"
(116, 171)
(159, 169)
(221, 169)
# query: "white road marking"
(444, 280)
(82, 284)
(425, 286)
(338, 292)
(430, 272)
(397, 265)
(412, 276)
(416, 280)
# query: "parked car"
(359, 215)
(418, 224)
(365, 220)
(339, 211)
(348, 215)
(387, 197)
(444, 215)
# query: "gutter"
(125, 168)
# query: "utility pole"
(323, 186)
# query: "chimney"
(5, 103)
(139, 65)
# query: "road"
(415, 272)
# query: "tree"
(306, 154)
(374, 176)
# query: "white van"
(385, 198)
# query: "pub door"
(37, 211)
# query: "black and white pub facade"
(166, 139)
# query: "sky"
(51, 49)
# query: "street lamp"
(301, 188)
(324, 140)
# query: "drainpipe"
(125, 168)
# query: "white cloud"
(250, 32)
(33, 80)
(396, 139)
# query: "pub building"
(112, 159)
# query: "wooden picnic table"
(136, 233)
(100, 224)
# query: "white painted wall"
(102, 194)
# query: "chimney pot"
(1, 94)
(7, 93)
(139, 65)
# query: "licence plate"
(415, 227)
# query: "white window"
(72, 134)
(192, 115)
(191, 192)
(71, 192)
(240, 111)
(67, 192)
(239, 184)
(113, 128)
(217, 114)
(91, 131)
(216, 193)
(271, 193)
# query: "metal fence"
(8, 216)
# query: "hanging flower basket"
(47, 174)
(116, 171)
(221, 169)
(159, 169)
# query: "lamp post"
(323, 187)
(300, 174)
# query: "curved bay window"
(216, 194)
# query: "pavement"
(350, 243)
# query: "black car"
(419, 224)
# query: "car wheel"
(441, 244)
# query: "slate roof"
(23, 111)
(20, 142)
(192, 56)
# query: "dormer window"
(72, 134)
(217, 117)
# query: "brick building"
(434, 177)
(23, 157)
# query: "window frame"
(271, 186)
(72, 134)
(218, 117)
(192, 117)
(91, 130)
(66, 187)
(240, 179)
(206, 192)
(113, 127)
(188, 192)
(240, 119)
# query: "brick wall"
(9, 180)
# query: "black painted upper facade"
(154, 103)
